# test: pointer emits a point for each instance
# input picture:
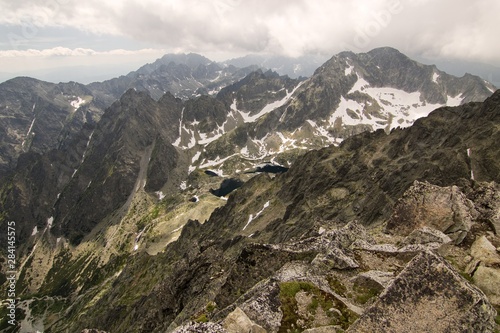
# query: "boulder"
(442, 208)
(485, 252)
(325, 329)
(237, 321)
(200, 328)
(335, 258)
(488, 280)
(263, 307)
(486, 197)
(375, 280)
(428, 296)
(426, 235)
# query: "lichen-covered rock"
(485, 252)
(428, 296)
(335, 258)
(445, 209)
(426, 235)
(237, 321)
(325, 329)
(488, 280)
(200, 328)
(486, 197)
(263, 307)
(375, 280)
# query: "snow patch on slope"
(322, 132)
(435, 76)
(400, 106)
(247, 118)
(348, 70)
(29, 130)
(196, 157)
(77, 103)
(360, 85)
(177, 142)
(87, 146)
(454, 101)
(50, 221)
(252, 217)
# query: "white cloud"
(66, 52)
(453, 28)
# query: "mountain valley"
(192, 196)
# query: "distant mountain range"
(101, 179)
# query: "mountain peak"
(386, 50)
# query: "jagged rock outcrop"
(375, 280)
(486, 197)
(428, 296)
(445, 209)
(116, 163)
(237, 321)
(426, 235)
(200, 328)
(484, 267)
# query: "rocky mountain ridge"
(62, 109)
(113, 198)
(183, 75)
(337, 243)
(349, 94)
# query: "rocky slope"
(303, 66)
(337, 243)
(100, 214)
(349, 94)
(38, 116)
(294, 247)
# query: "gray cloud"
(445, 28)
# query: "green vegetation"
(153, 214)
(363, 293)
(337, 286)
(42, 306)
(296, 321)
(203, 316)
(211, 306)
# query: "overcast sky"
(65, 37)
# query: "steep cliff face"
(39, 116)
